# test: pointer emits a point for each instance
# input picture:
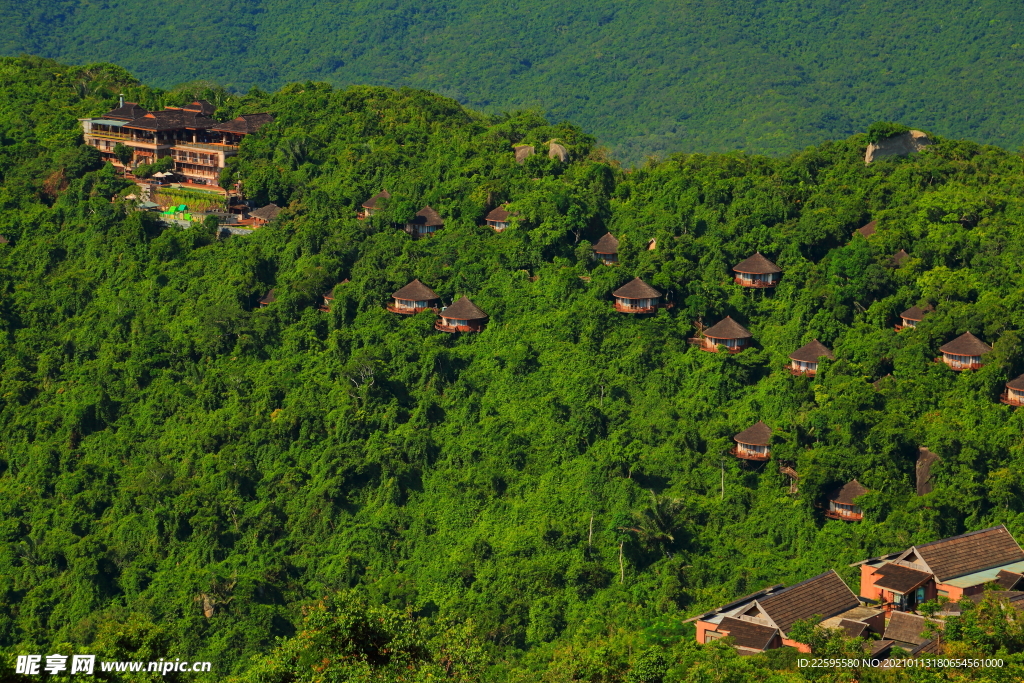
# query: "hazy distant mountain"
(646, 76)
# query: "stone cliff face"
(898, 145)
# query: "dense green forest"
(646, 77)
(354, 496)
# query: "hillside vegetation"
(185, 473)
(646, 77)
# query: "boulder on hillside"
(557, 151)
(898, 145)
(523, 152)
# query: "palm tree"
(658, 524)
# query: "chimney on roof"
(120, 99)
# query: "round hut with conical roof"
(497, 219)
(425, 223)
(728, 333)
(414, 298)
(964, 352)
(607, 249)
(267, 298)
(868, 230)
(841, 502)
(899, 258)
(757, 272)
(1014, 394)
(372, 205)
(752, 443)
(462, 316)
(636, 296)
(804, 361)
(912, 316)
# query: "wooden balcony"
(108, 136)
(960, 366)
(711, 345)
(845, 515)
(468, 326)
(1011, 399)
(904, 326)
(742, 453)
(206, 146)
(755, 284)
(805, 372)
(192, 159)
(409, 310)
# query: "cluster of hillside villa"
(892, 589)
(892, 586)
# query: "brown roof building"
(912, 316)
(952, 567)
(778, 608)
(636, 296)
(964, 352)
(607, 249)
(414, 298)
(728, 333)
(462, 316)
(804, 361)
(1014, 394)
(265, 214)
(1010, 581)
(752, 443)
(907, 630)
(757, 272)
(498, 219)
(127, 111)
(372, 205)
(268, 298)
(747, 636)
(899, 258)
(868, 230)
(841, 505)
(198, 144)
(425, 223)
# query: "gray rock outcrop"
(898, 145)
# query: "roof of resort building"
(415, 291)
(756, 265)
(758, 434)
(636, 289)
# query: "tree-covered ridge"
(646, 78)
(170, 449)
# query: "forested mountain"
(646, 77)
(186, 473)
